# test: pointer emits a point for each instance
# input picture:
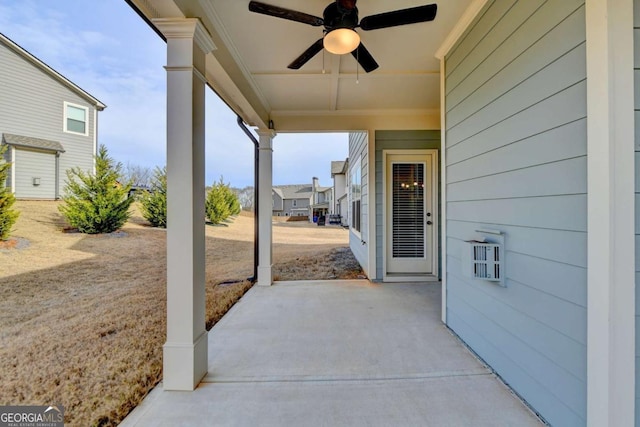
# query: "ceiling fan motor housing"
(337, 16)
(340, 19)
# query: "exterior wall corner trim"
(467, 18)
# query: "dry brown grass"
(82, 318)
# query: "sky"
(105, 48)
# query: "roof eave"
(51, 72)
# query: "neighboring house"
(514, 124)
(292, 200)
(321, 199)
(301, 200)
(48, 122)
(340, 205)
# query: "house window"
(75, 118)
(355, 190)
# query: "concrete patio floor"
(337, 353)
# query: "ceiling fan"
(340, 19)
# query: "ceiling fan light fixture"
(341, 41)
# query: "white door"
(410, 213)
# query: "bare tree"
(139, 176)
(246, 197)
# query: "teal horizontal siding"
(560, 143)
(636, 65)
(516, 149)
(358, 149)
(548, 179)
(549, 244)
(557, 110)
(477, 33)
(474, 326)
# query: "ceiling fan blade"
(306, 55)
(365, 59)
(399, 17)
(281, 12)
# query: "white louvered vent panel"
(485, 261)
(408, 210)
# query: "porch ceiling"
(249, 67)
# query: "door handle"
(429, 223)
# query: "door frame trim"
(436, 220)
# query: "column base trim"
(265, 276)
(185, 364)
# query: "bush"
(97, 203)
(217, 204)
(221, 202)
(232, 200)
(154, 202)
(8, 216)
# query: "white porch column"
(611, 252)
(185, 352)
(265, 201)
(443, 187)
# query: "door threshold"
(399, 277)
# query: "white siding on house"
(343, 210)
(516, 162)
(339, 186)
(358, 149)
(32, 104)
(35, 164)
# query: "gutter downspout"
(256, 186)
(244, 129)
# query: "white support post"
(185, 351)
(265, 201)
(372, 265)
(443, 187)
(611, 220)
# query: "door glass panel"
(408, 226)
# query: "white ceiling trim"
(349, 75)
(211, 13)
(347, 121)
(342, 113)
(458, 31)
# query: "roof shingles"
(300, 191)
(29, 142)
(337, 167)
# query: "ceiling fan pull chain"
(323, 70)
